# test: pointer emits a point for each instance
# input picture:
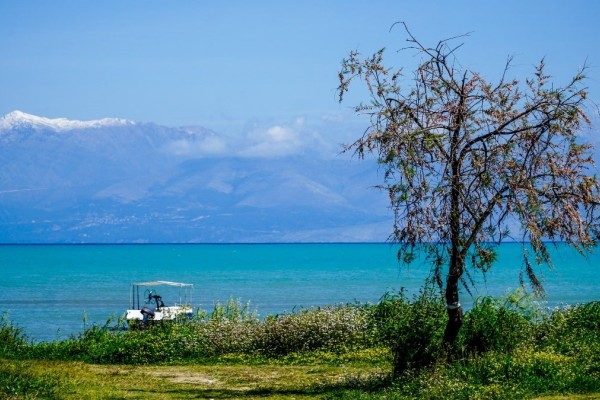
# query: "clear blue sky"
(223, 64)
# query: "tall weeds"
(231, 328)
(13, 340)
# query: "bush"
(412, 329)
(567, 329)
(498, 324)
(574, 331)
(335, 328)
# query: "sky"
(234, 65)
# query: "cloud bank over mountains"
(113, 181)
(275, 141)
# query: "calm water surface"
(47, 290)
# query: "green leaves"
(467, 158)
(412, 329)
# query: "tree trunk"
(457, 258)
(455, 311)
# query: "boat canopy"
(183, 297)
(158, 283)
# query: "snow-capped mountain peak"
(17, 119)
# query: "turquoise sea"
(52, 290)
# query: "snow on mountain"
(18, 119)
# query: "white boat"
(146, 304)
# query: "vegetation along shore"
(509, 347)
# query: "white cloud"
(321, 136)
(275, 141)
(208, 146)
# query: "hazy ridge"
(118, 181)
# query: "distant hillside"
(113, 180)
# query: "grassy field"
(77, 380)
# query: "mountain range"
(117, 181)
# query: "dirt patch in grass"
(184, 377)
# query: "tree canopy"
(469, 163)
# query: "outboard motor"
(148, 315)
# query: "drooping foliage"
(467, 159)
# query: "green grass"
(77, 380)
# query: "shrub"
(412, 329)
(334, 328)
(498, 324)
(574, 331)
(565, 329)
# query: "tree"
(465, 159)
